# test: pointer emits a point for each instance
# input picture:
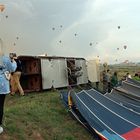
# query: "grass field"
(40, 116)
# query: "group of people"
(109, 81)
(8, 66)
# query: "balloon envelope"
(118, 27)
(2, 7)
(124, 46)
(90, 44)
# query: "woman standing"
(6, 67)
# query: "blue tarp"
(124, 100)
(106, 117)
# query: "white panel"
(54, 73)
(46, 69)
(60, 78)
(84, 78)
(93, 70)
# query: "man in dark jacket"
(15, 78)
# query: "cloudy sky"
(81, 28)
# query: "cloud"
(93, 21)
(20, 8)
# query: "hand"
(12, 60)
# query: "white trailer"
(45, 72)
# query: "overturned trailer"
(46, 72)
(63, 71)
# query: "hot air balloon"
(90, 44)
(124, 46)
(2, 7)
(119, 27)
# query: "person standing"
(136, 77)
(114, 80)
(108, 79)
(104, 81)
(6, 67)
(128, 76)
(15, 78)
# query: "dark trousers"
(2, 99)
(109, 87)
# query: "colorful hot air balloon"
(2, 7)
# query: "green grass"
(40, 116)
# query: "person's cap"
(14, 55)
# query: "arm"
(10, 65)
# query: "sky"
(79, 28)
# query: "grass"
(40, 116)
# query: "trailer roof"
(49, 57)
